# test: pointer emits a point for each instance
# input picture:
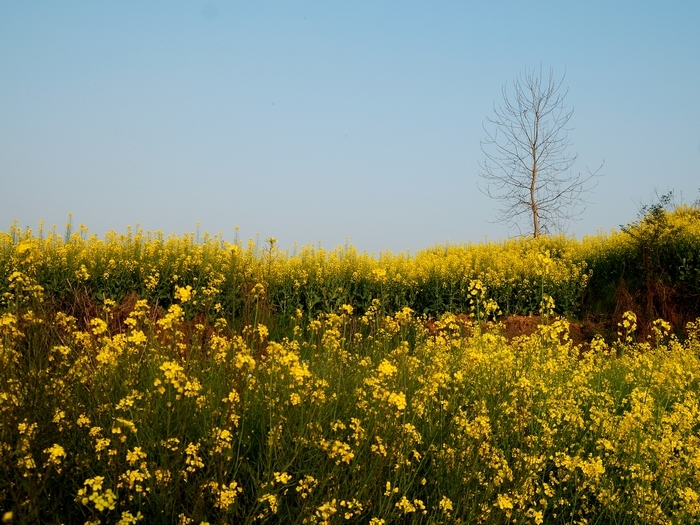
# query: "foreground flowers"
(373, 419)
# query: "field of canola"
(184, 380)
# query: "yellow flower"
(56, 453)
(326, 510)
(306, 486)
(379, 274)
(132, 456)
(271, 500)
(183, 293)
(405, 506)
(225, 494)
(398, 399)
(386, 369)
(346, 309)
(262, 331)
(82, 274)
(128, 518)
(101, 500)
(446, 505)
(504, 502)
(282, 477)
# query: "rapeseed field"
(183, 380)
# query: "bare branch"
(527, 161)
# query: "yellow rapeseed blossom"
(272, 502)
(346, 309)
(282, 477)
(135, 455)
(193, 460)
(82, 274)
(386, 369)
(504, 502)
(184, 293)
(55, 454)
(397, 399)
(127, 518)
(328, 509)
(628, 326)
(102, 500)
(338, 451)
(445, 505)
(306, 486)
(225, 495)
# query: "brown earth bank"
(524, 325)
(581, 332)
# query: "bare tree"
(527, 165)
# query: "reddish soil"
(580, 333)
(517, 325)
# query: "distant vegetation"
(651, 266)
(190, 381)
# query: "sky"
(330, 122)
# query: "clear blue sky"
(313, 121)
